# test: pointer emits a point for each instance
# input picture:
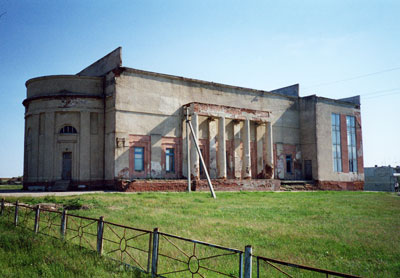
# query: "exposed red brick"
(340, 185)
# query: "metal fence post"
(247, 261)
(154, 261)
(37, 219)
(2, 206)
(100, 230)
(63, 223)
(16, 214)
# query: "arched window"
(68, 130)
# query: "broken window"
(351, 143)
(170, 160)
(336, 146)
(139, 158)
(289, 163)
(68, 130)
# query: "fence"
(153, 252)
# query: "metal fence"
(153, 252)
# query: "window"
(289, 163)
(336, 146)
(68, 130)
(139, 158)
(170, 160)
(351, 143)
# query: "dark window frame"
(68, 129)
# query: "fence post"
(37, 217)
(16, 214)
(100, 230)
(155, 253)
(63, 224)
(2, 206)
(247, 261)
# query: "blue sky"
(256, 44)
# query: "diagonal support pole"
(201, 159)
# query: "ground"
(351, 232)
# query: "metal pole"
(63, 223)
(188, 152)
(241, 265)
(154, 261)
(37, 219)
(100, 229)
(247, 261)
(16, 214)
(202, 160)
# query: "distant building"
(381, 178)
(110, 124)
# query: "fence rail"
(153, 252)
(272, 263)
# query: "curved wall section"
(64, 132)
(64, 85)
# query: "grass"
(351, 232)
(23, 254)
(10, 187)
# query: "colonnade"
(242, 157)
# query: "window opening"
(336, 144)
(351, 143)
(68, 130)
(170, 160)
(139, 159)
(289, 163)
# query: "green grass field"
(10, 187)
(23, 254)
(351, 232)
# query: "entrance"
(307, 169)
(66, 166)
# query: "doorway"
(66, 166)
(307, 169)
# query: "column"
(269, 148)
(212, 136)
(194, 156)
(221, 149)
(260, 139)
(84, 147)
(246, 150)
(237, 152)
(49, 151)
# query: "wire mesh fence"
(161, 254)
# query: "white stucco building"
(114, 126)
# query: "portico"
(248, 136)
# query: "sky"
(333, 49)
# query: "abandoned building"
(111, 126)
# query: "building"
(110, 125)
(383, 178)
